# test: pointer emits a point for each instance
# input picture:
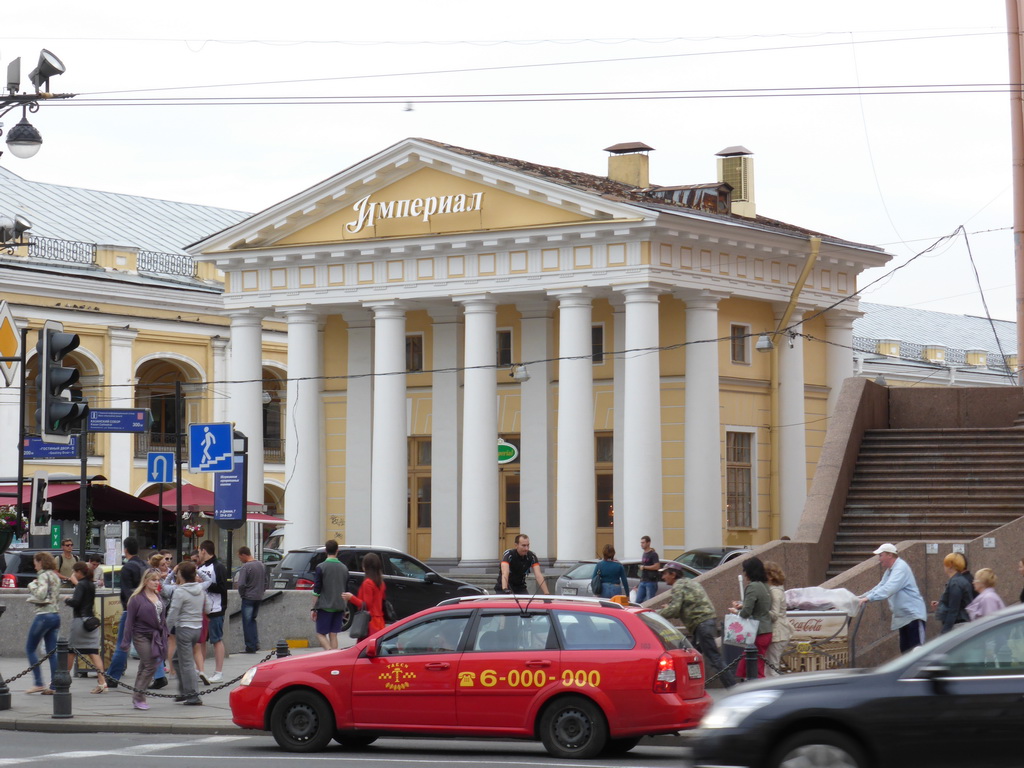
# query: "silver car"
(577, 580)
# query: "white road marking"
(138, 750)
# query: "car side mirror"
(371, 650)
(432, 578)
(936, 671)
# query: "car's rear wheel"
(302, 722)
(819, 749)
(621, 746)
(573, 727)
(354, 740)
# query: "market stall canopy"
(192, 496)
(108, 504)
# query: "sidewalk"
(112, 712)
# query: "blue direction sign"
(210, 448)
(160, 467)
(229, 496)
(118, 420)
(35, 448)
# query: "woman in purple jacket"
(146, 626)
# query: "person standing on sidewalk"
(43, 593)
(372, 592)
(85, 642)
(146, 627)
(131, 578)
(650, 565)
(218, 594)
(251, 583)
(899, 587)
(329, 586)
(689, 603)
(185, 618)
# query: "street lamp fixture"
(23, 139)
(11, 231)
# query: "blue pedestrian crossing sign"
(159, 467)
(210, 448)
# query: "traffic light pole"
(83, 488)
(20, 479)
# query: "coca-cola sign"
(817, 624)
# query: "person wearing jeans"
(650, 564)
(251, 583)
(43, 594)
(131, 577)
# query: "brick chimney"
(628, 163)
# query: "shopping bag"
(737, 631)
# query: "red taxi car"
(582, 675)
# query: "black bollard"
(62, 683)
(282, 649)
(750, 657)
(5, 695)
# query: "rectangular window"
(604, 445)
(739, 345)
(597, 344)
(739, 479)
(504, 349)
(414, 353)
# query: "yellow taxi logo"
(466, 679)
(396, 676)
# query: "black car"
(954, 700)
(706, 558)
(18, 568)
(411, 585)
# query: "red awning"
(108, 504)
(191, 496)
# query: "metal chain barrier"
(204, 692)
(34, 666)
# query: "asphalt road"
(120, 750)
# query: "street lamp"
(23, 139)
(11, 231)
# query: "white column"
(445, 435)
(390, 474)
(576, 494)
(619, 425)
(792, 431)
(120, 379)
(641, 514)
(221, 366)
(838, 353)
(358, 426)
(537, 459)
(480, 434)
(245, 390)
(303, 460)
(702, 496)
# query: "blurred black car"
(956, 699)
(411, 585)
(19, 570)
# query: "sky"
(878, 122)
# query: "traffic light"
(39, 522)
(61, 410)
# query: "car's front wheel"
(302, 722)
(819, 749)
(573, 727)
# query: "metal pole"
(83, 486)
(62, 683)
(180, 535)
(1013, 16)
(21, 426)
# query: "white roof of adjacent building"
(109, 218)
(921, 327)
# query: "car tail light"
(303, 584)
(665, 679)
(9, 581)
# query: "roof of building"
(109, 218)
(615, 190)
(916, 328)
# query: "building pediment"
(414, 189)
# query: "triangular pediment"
(414, 189)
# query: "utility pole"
(1013, 18)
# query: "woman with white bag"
(757, 604)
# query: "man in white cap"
(899, 587)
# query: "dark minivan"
(411, 585)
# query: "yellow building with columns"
(442, 304)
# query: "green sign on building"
(506, 452)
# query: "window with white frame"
(597, 344)
(414, 352)
(504, 346)
(739, 343)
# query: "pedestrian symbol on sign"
(210, 448)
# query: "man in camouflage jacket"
(689, 603)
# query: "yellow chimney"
(629, 163)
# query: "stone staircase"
(929, 484)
